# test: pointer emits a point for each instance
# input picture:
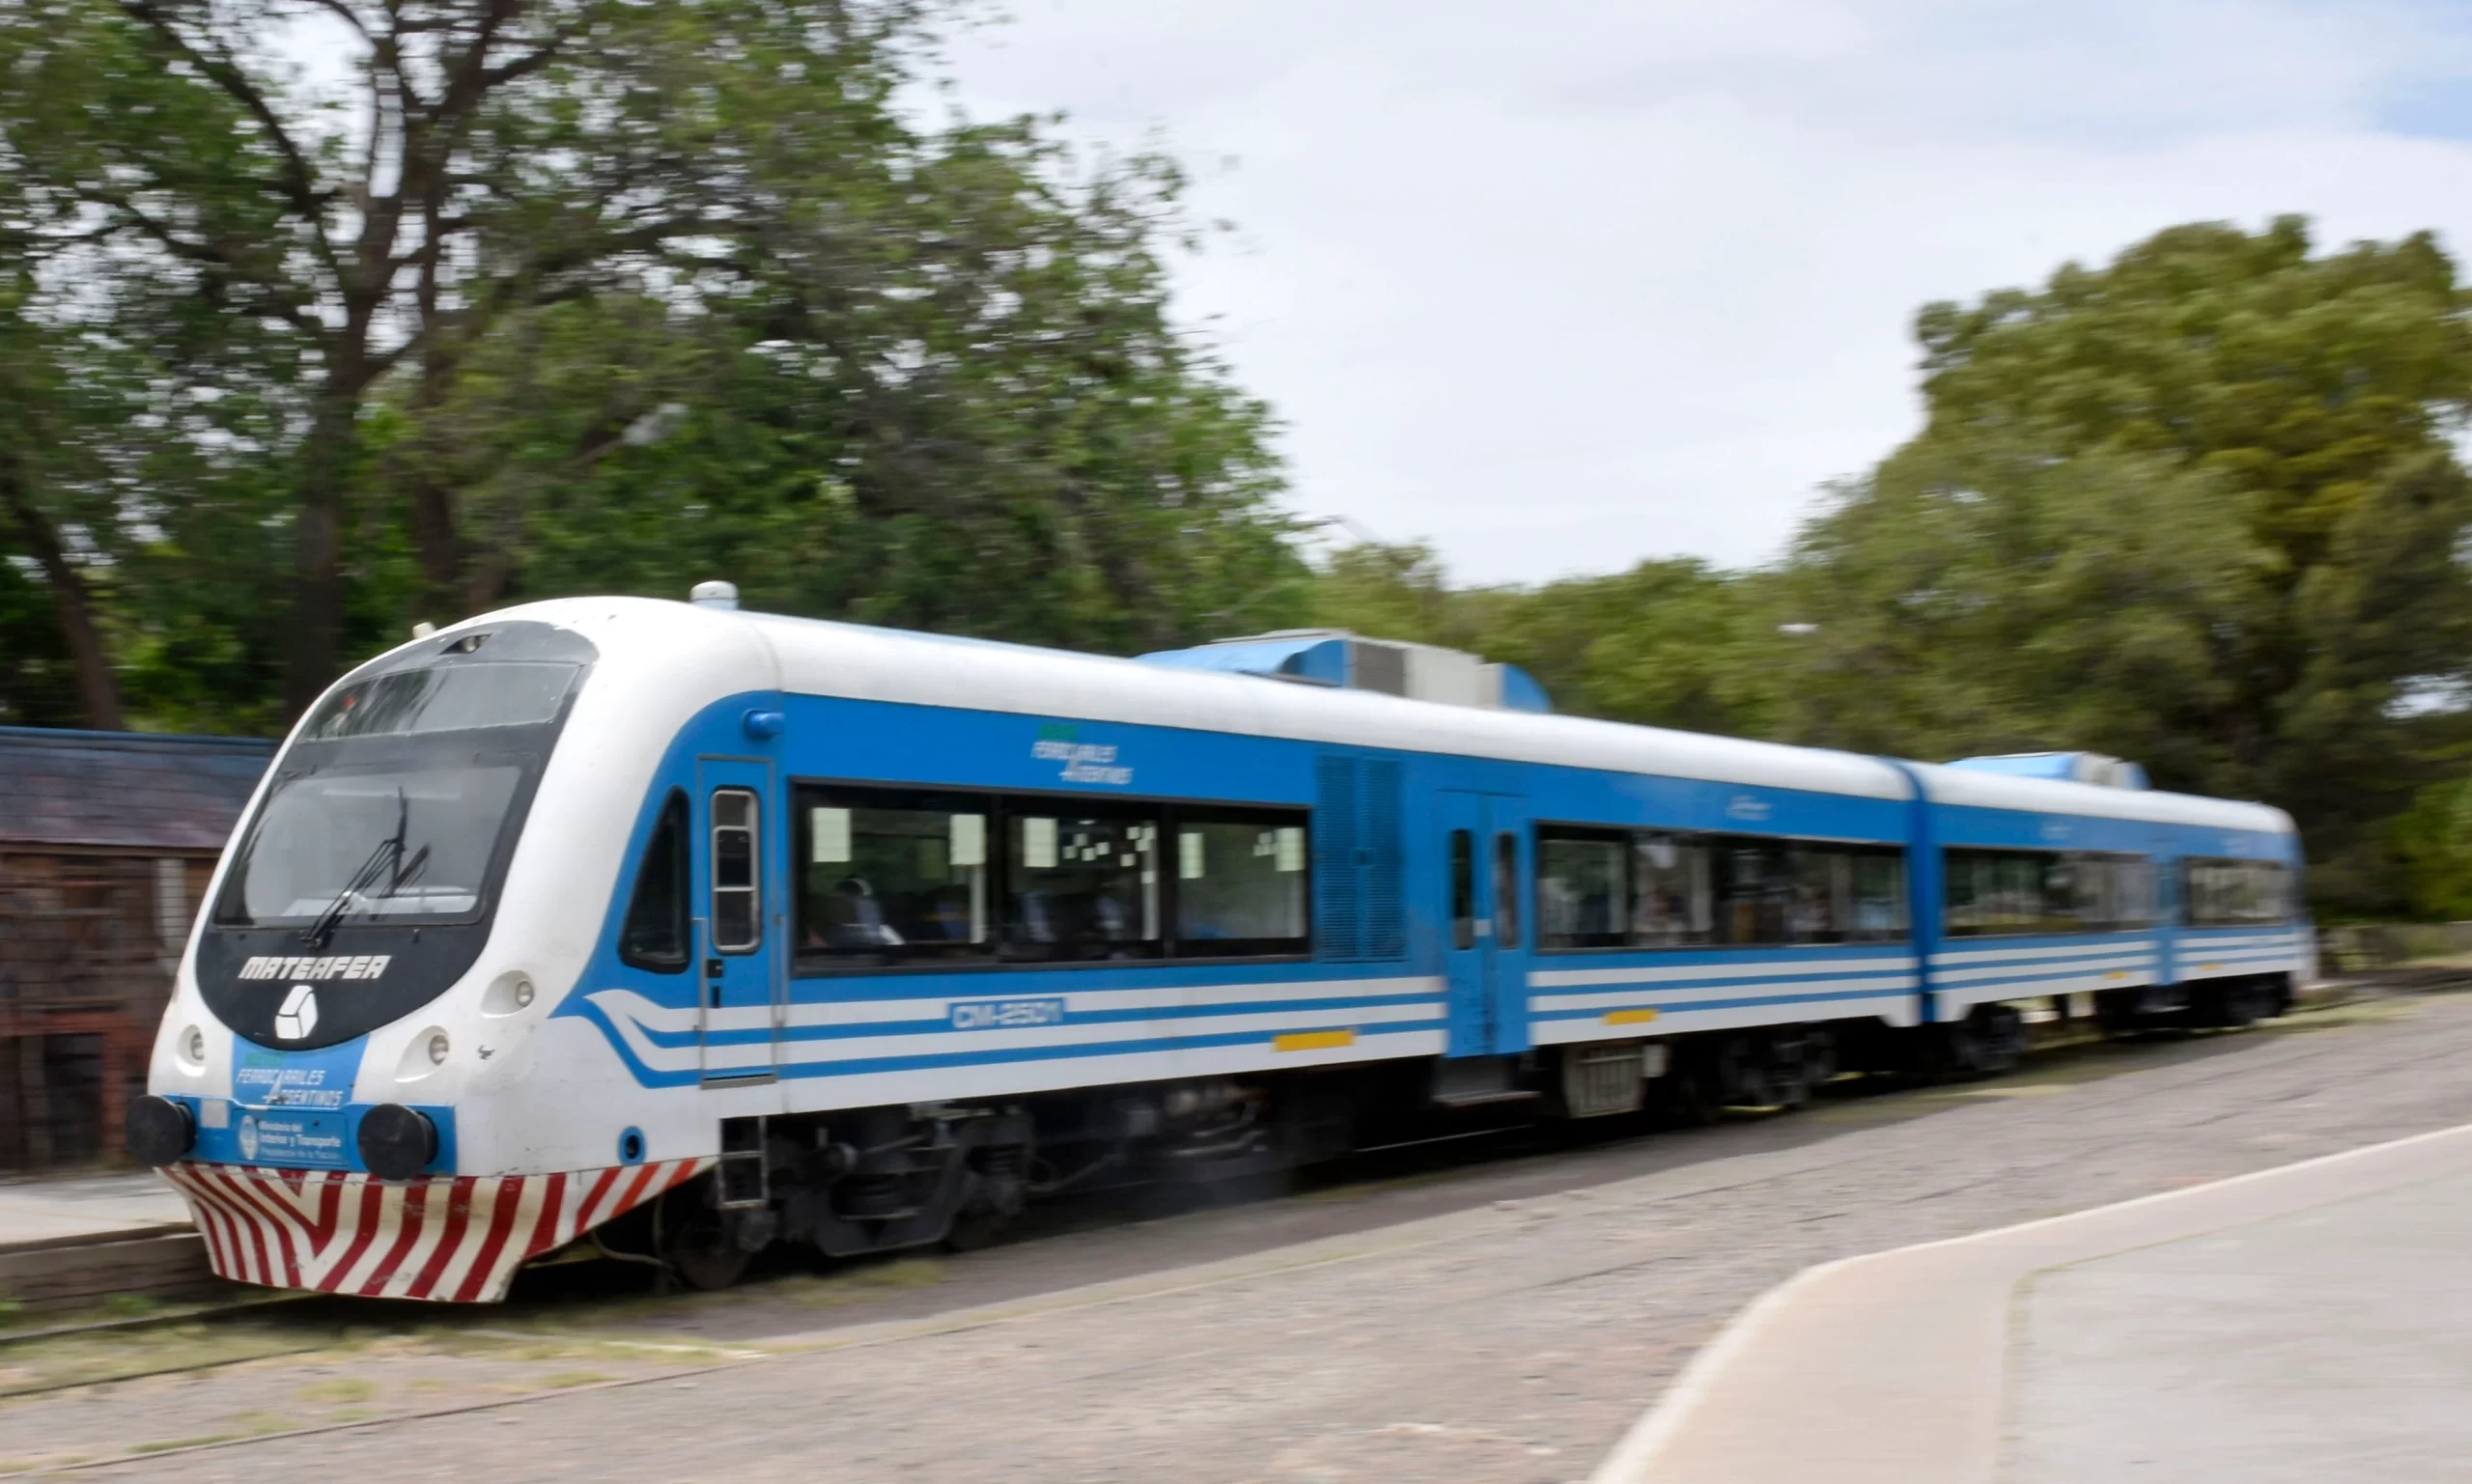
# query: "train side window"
(1653, 889)
(653, 935)
(1755, 889)
(738, 917)
(2114, 892)
(1584, 891)
(1879, 895)
(2225, 894)
(1991, 892)
(1462, 889)
(1507, 887)
(1671, 898)
(891, 875)
(1242, 883)
(1846, 894)
(1082, 881)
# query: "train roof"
(858, 661)
(822, 658)
(1967, 788)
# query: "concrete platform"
(68, 1243)
(2311, 1322)
(90, 1207)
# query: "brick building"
(106, 842)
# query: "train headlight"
(193, 1049)
(509, 993)
(423, 1054)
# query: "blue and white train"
(681, 930)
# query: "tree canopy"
(2199, 507)
(562, 294)
(545, 296)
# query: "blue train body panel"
(915, 1033)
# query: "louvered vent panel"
(1338, 903)
(1385, 926)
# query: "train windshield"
(399, 843)
(398, 801)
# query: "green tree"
(572, 294)
(2199, 507)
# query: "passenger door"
(740, 955)
(1484, 913)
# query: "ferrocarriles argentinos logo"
(1083, 762)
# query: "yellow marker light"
(1629, 1016)
(1314, 1040)
(2117, 973)
(2208, 967)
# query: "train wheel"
(1687, 1096)
(2000, 1038)
(2116, 1014)
(699, 1244)
(997, 1196)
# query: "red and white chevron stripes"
(450, 1238)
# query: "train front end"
(349, 1084)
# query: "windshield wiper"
(389, 851)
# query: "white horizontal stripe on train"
(679, 1020)
(2271, 951)
(811, 1088)
(1372, 1040)
(2062, 982)
(1668, 973)
(2066, 950)
(1613, 999)
(2279, 940)
(1897, 1009)
(758, 1054)
(2130, 962)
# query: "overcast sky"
(1560, 284)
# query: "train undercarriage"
(852, 1182)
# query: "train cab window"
(2224, 893)
(890, 876)
(653, 935)
(1462, 889)
(1082, 881)
(738, 916)
(1507, 888)
(1242, 883)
